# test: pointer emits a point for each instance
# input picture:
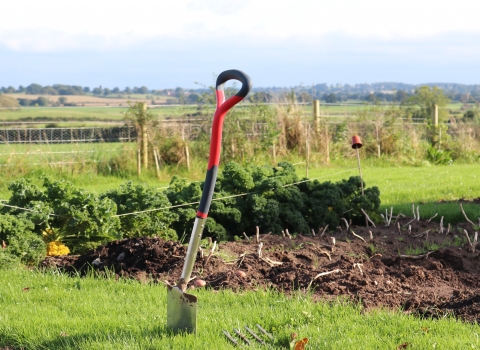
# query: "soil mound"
(420, 269)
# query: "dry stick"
(391, 215)
(340, 228)
(399, 228)
(408, 223)
(258, 234)
(313, 232)
(259, 251)
(466, 217)
(417, 256)
(371, 236)
(346, 223)
(409, 229)
(475, 238)
(368, 217)
(288, 233)
(359, 267)
(418, 213)
(283, 233)
(322, 274)
(247, 238)
(211, 253)
(441, 225)
(468, 238)
(323, 232)
(353, 233)
(448, 229)
(201, 252)
(384, 219)
(432, 217)
(399, 215)
(413, 210)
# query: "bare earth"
(376, 274)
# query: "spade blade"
(181, 310)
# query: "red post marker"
(356, 144)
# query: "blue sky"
(165, 44)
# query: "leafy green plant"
(438, 156)
(131, 198)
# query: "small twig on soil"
(327, 254)
(426, 235)
(340, 228)
(333, 243)
(399, 215)
(313, 232)
(475, 238)
(418, 213)
(468, 238)
(257, 234)
(391, 215)
(415, 257)
(272, 262)
(466, 217)
(399, 228)
(211, 253)
(283, 233)
(242, 256)
(441, 225)
(371, 235)
(409, 230)
(448, 229)
(324, 230)
(368, 217)
(353, 233)
(413, 210)
(359, 267)
(346, 223)
(201, 252)
(259, 251)
(408, 223)
(246, 237)
(288, 233)
(322, 274)
(432, 217)
(376, 255)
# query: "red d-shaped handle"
(216, 140)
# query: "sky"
(166, 44)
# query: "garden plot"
(416, 265)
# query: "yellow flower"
(57, 248)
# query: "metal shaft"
(360, 170)
(192, 250)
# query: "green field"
(53, 311)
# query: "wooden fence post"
(144, 139)
(316, 115)
(435, 125)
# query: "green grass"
(427, 186)
(60, 312)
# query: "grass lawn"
(53, 311)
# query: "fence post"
(144, 139)
(435, 125)
(316, 115)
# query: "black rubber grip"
(237, 75)
(208, 188)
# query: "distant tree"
(426, 97)
(192, 97)
(97, 90)
(179, 92)
(106, 91)
(304, 97)
(24, 102)
(62, 100)
(372, 98)
(34, 89)
(21, 89)
(115, 90)
(128, 90)
(42, 101)
(86, 89)
(400, 96)
(472, 115)
(143, 90)
(49, 90)
(331, 98)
